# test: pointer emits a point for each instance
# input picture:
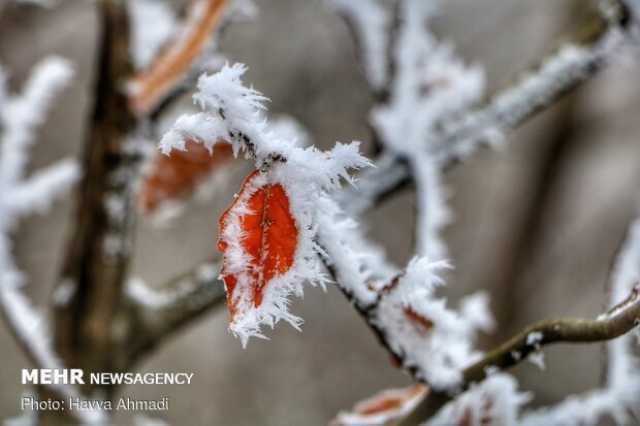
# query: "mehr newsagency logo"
(75, 376)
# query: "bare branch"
(98, 253)
(616, 322)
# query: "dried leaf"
(422, 323)
(383, 408)
(268, 236)
(152, 85)
(176, 175)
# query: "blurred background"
(537, 222)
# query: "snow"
(434, 213)
(534, 338)
(360, 266)
(440, 347)
(496, 401)
(152, 24)
(371, 24)
(21, 195)
(537, 359)
(536, 89)
(431, 84)
(235, 113)
(144, 295)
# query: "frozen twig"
(618, 398)
(557, 75)
(21, 195)
(370, 23)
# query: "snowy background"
(536, 224)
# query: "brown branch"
(98, 252)
(158, 313)
(619, 320)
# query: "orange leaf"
(153, 84)
(385, 407)
(268, 239)
(174, 176)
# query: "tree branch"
(98, 252)
(538, 89)
(619, 320)
(161, 312)
(616, 322)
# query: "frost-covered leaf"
(303, 177)
(175, 176)
(383, 408)
(258, 237)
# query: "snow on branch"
(618, 399)
(268, 234)
(152, 24)
(162, 310)
(430, 83)
(21, 195)
(432, 341)
(463, 133)
(370, 23)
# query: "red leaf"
(268, 238)
(175, 176)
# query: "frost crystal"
(233, 113)
(21, 195)
(423, 332)
(431, 86)
(152, 23)
(494, 402)
(370, 21)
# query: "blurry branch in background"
(99, 249)
(160, 312)
(556, 75)
(21, 195)
(165, 76)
